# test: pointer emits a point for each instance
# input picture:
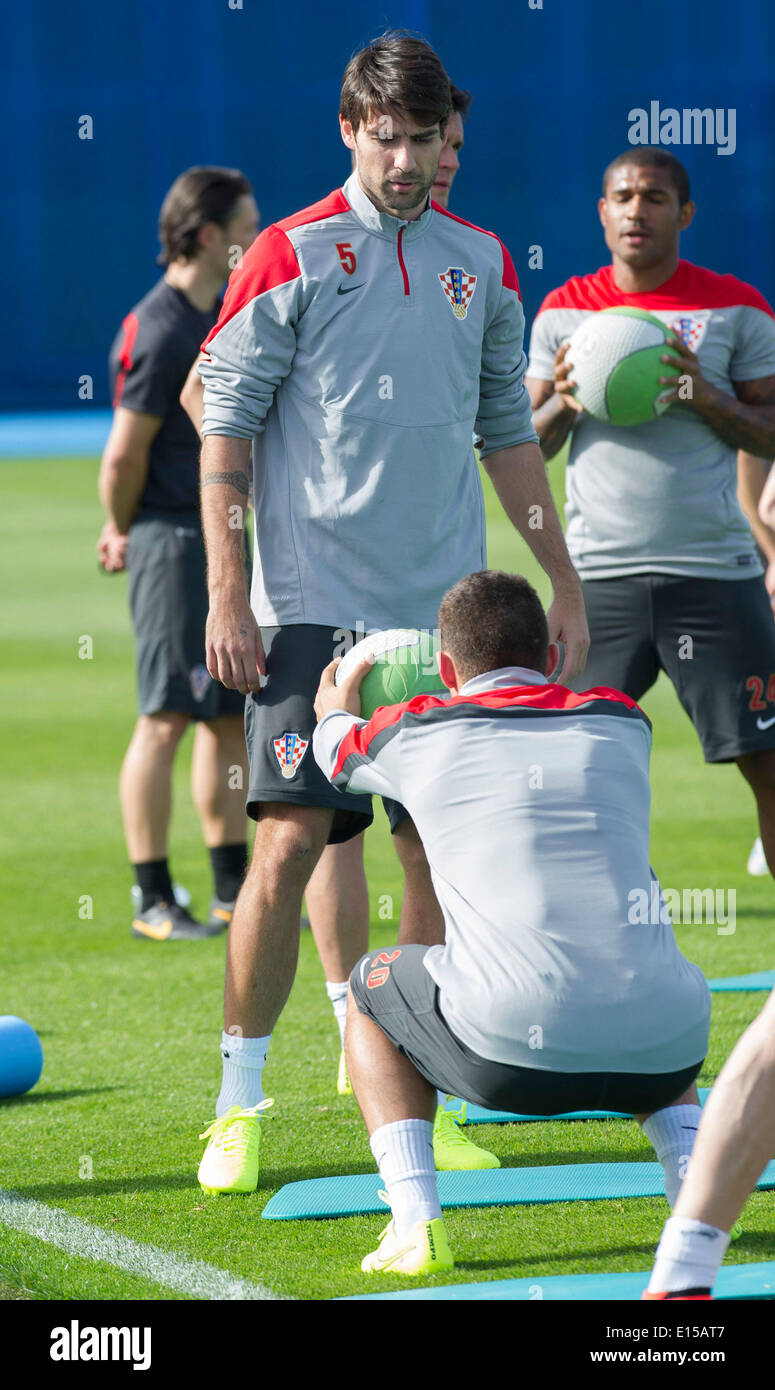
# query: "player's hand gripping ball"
(616, 363)
(404, 666)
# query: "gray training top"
(532, 803)
(359, 353)
(661, 496)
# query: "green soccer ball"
(404, 666)
(615, 356)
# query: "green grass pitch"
(130, 1029)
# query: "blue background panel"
(196, 82)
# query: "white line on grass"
(192, 1277)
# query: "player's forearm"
(519, 477)
(748, 427)
(225, 487)
(751, 477)
(553, 422)
(121, 485)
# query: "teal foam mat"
(477, 1115)
(761, 979)
(494, 1187)
(737, 1281)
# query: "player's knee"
(290, 845)
(759, 770)
(163, 731)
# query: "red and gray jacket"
(359, 353)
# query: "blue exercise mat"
(736, 1281)
(477, 1115)
(492, 1187)
(761, 979)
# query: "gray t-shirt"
(661, 496)
(532, 803)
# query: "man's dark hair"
(396, 72)
(200, 195)
(491, 619)
(461, 101)
(652, 157)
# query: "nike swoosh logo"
(348, 289)
(764, 723)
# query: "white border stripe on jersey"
(192, 1277)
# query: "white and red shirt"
(661, 496)
(532, 803)
(359, 352)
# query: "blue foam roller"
(761, 979)
(21, 1056)
(477, 1115)
(734, 1281)
(492, 1187)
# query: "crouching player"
(550, 994)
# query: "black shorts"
(280, 722)
(714, 638)
(169, 603)
(393, 988)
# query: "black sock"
(229, 864)
(155, 883)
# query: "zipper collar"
(381, 223)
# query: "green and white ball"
(615, 356)
(404, 666)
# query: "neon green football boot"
(452, 1149)
(343, 1086)
(424, 1250)
(230, 1161)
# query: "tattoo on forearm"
(239, 481)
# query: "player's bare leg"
(264, 933)
(219, 755)
(145, 785)
(734, 1142)
(737, 1134)
(219, 775)
(338, 907)
(421, 922)
(758, 770)
(386, 1084)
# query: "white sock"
(673, 1131)
(337, 993)
(243, 1063)
(688, 1256)
(404, 1155)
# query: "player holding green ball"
(671, 577)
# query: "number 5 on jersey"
(346, 255)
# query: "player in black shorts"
(149, 486)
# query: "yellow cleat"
(424, 1250)
(343, 1087)
(452, 1149)
(230, 1161)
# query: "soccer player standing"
(360, 345)
(149, 485)
(671, 577)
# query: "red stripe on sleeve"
(130, 326)
(269, 262)
(510, 280)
